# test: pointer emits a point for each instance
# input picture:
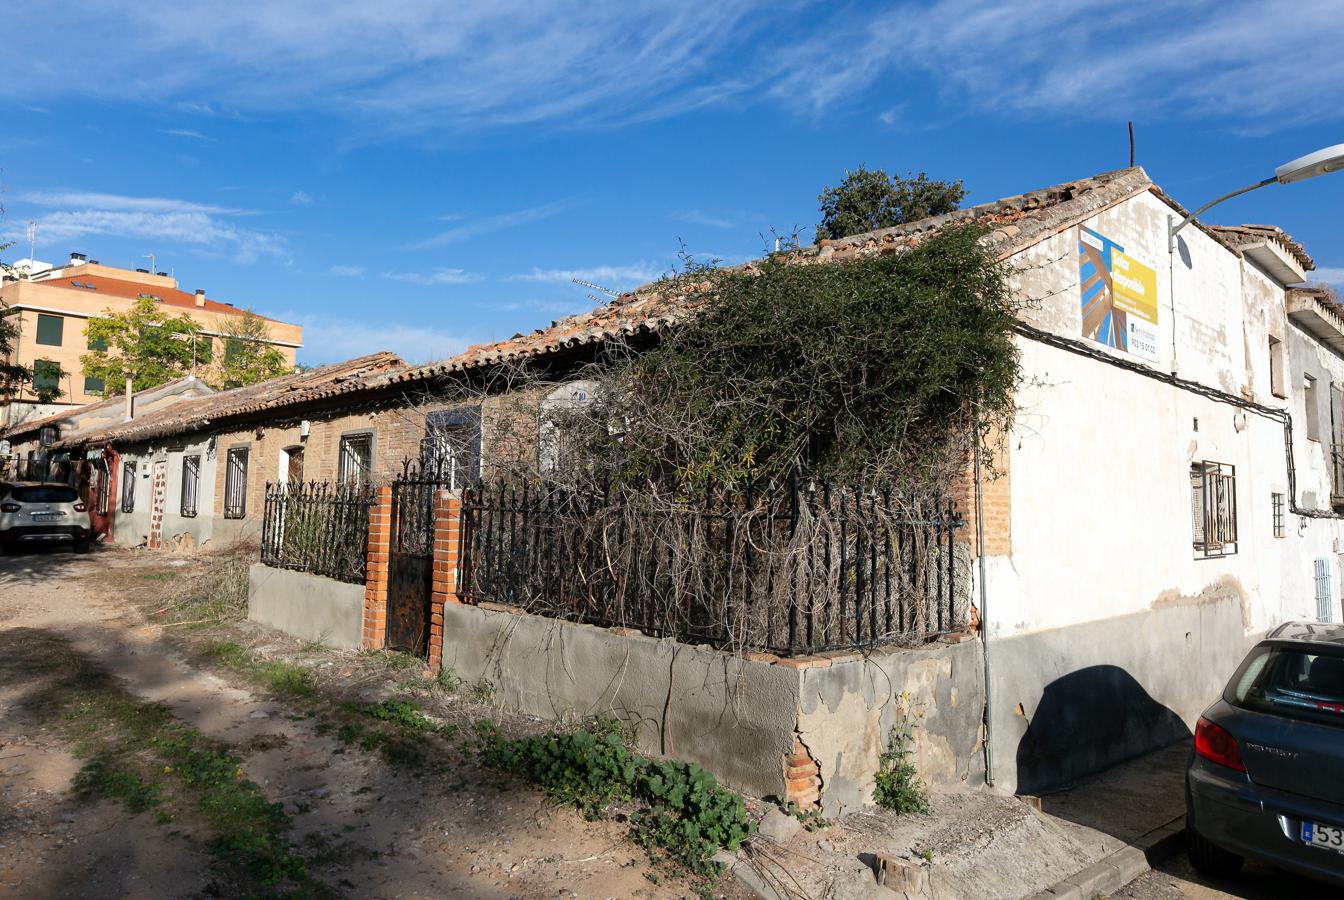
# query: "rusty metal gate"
(410, 567)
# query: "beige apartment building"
(52, 308)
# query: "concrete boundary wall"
(306, 606)
(741, 717)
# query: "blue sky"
(416, 175)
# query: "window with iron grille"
(1324, 595)
(356, 459)
(1213, 508)
(191, 477)
(1276, 501)
(128, 487)
(452, 445)
(104, 495)
(235, 484)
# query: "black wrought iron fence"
(318, 527)
(793, 567)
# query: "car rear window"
(1300, 683)
(46, 493)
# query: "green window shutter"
(44, 374)
(50, 329)
(93, 385)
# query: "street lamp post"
(1329, 159)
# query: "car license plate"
(47, 516)
(1327, 837)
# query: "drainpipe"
(984, 609)
(130, 407)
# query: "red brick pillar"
(375, 581)
(444, 587)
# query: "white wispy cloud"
(709, 220)
(186, 133)
(482, 225)
(435, 277)
(1212, 57)
(301, 198)
(425, 65)
(80, 214)
(411, 64)
(347, 271)
(1328, 275)
(614, 277)
(329, 339)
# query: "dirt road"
(362, 826)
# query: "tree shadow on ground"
(1090, 746)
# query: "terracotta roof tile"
(1017, 222)
(278, 393)
(115, 287)
(1237, 235)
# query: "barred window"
(1213, 508)
(191, 477)
(235, 484)
(128, 487)
(103, 497)
(356, 459)
(1276, 500)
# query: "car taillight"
(1214, 743)
(10, 507)
(79, 507)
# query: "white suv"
(42, 514)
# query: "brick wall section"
(375, 583)
(802, 776)
(996, 494)
(444, 587)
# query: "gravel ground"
(385, 833)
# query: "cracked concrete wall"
(731, 715)
(847, 710)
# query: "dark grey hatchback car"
(1266, 779)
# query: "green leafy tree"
(248, 358)
(145, 343)
(14, 376)
(870, 199)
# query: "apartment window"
(235, 484)
(1213, 508)
(1276, 505)
(356, 459)
(94, 385)
(50, 329)
(97, 344)
(1275, 366)
(1312, 407)
(233, 348)
(191, 478)
(128, 487)
(46, 375)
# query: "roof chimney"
(200, 297)
(77, 259)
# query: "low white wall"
(306, 606)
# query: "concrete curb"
(1121, 867)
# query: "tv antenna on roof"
(150, 257)
(597, 287)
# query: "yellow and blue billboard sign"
(1119, 296)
